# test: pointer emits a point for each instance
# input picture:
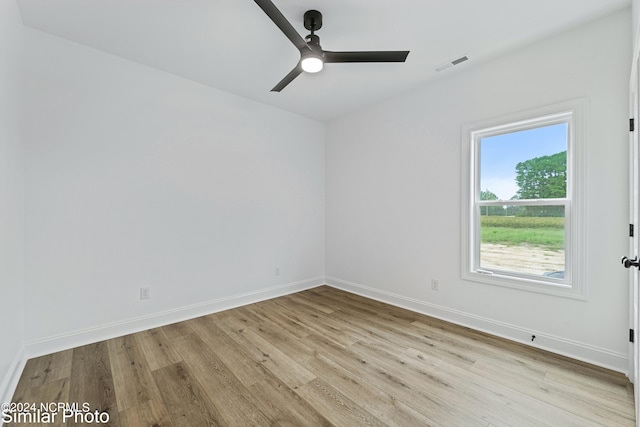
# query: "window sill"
(548, 286)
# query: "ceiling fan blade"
(287, 79)
(281, 22)
(373, 56)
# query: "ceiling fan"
(312, 56)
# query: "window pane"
(528, 164)
(520, 239)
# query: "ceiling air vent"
(452, 63)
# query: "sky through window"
(501, 153)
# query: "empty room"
(278, 212)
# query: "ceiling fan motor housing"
(312, 20)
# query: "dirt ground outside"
(521, 258)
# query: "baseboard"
(86, 336)
(566, 347)
(576, 350)
(10, 381)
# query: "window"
(522, 200)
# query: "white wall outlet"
(145, 293)
(276, 272)
(435, 285)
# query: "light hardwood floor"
(326, 357)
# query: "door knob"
(630, 262)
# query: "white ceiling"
(232, 45)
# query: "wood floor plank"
(277, 362)
(132, 377)
(232, 354)
(51, 391)
(157, 348)
(378, 402)
(151, 413)
(326, 357)
(269, 311)
(514, 407)
(240, 314)
(425, 401)
(323, 323)
(186, 401)
(290, 345)
(433, 384)
(234, 401)
(51, 367)
(302, 299)
(378, 308)
(586, 381)
(91, 381)
(589, 403)
(342, 334)
(338, 408)
(463, 340)
(284, 406)
(176, 329)
(383, 333)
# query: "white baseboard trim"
(86, 336)
(10, 381)
(566, 347)
(563, 346)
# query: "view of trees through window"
(524, 232)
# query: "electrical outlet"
(276, 272)
(434, 284)
(145, 293)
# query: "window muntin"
(557, 270)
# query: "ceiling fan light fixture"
(312, 62)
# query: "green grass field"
(546, 232)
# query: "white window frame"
(574, 284)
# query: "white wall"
(394, 182)
(138, 178)
(11, 193)
(635, 18)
